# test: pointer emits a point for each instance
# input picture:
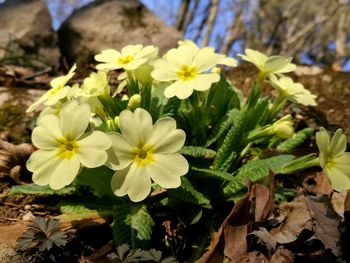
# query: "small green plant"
(126, 255)
(42, 234)
(171, 143)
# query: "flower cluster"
(271, 67)
(137, 133)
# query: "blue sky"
(167, 10)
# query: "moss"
(14, 122)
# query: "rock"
(26, 25)
(331, 87)
(112, 24)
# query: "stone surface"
(331, 87)
(112, 24)
(28, 23)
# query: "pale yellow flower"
(95, 85)
(129, 58)
(283, 127)
(226, 61)
(334, 161)
(58, 91)
(189, 68)
(63, 146)
(293, 91)
(268, 65)
(143, 152)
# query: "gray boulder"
(25, 25)
(112, 24)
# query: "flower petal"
(46, 134)
(92, 149)
(134, 181)
(167, 169)
(322, 140)
(206, 58)
(119, 155)
(42, 163)
(136, 127)
(134, 64)
(55, 97)
(338, 179)
(204, 81)
(74, 119)
(141, 186)
(64, 172)
(108, 55)
(165, 137)
(338, 143)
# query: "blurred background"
(312, 31)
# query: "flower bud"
(143, 74)
(134, 101)
(283, 127)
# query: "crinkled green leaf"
(214, 174)
(291, 144)
(98, 180)
(198, 152)
(40, 190)
(132, 225)
(222, 127)
(255, 171)
(187, 193)
(232, 141)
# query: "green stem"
(146, 96)
(277, 106)
(300, 164)
(132, 84)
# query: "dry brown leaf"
(253, 257)
(318, 184)
(264, 201)
(268, 240)
(338, 202)
(347, 202)
(282, 256)
(231, 236)
(325, 222)
(295, 217)
(13, 159)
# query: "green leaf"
(132, 225)
(222, 127)
(98, 180)
(290, 145)
(255, 113)
(83, 210)
(198, 152)
(187, 193)
(35, 189)
(232, 142)
(255, 171)
(213, 174)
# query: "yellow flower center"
(67, 148)
(126, 59)
(143, 154)
(187, 72)
(55, 90)
(330, 163)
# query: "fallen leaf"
(13, 159)
(231, 236)
(338, 202)
(266, 238)
(282, 256)
(295, 217)
(318, 184)
(326, 222)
